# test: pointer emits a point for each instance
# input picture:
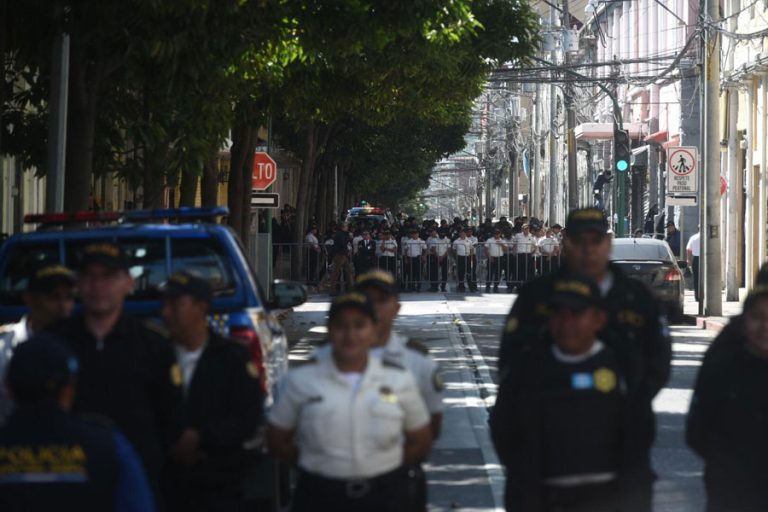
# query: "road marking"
(484, 391)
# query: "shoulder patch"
(391, 364)
(417, 346)
(156, 328)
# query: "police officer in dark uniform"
(564, 420)
(128, 370)
(632, 311)
(51, 460)
(223, 403)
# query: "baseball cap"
(184, 283)
(40, 367)
(380, 279)
(353, 300)
(586, 219)
(104, 253)
(48, 277)
(577, 292)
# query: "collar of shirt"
(21, 331)
(329, 366)
(578, 358)
(188, 361)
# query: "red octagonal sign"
(264, 171)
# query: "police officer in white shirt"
(549, 247)
(525, 248)
(388, 253)
(497, 250)
(472, 269)
(462, 247)
(312, 245)
(413, 249)
(352, 423)
(437, 262)
(50, 296)
(693, 251)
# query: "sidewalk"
(711, 323)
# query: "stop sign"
(723, 186)
(264, 171)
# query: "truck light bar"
(130, 215)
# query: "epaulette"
(391, 364)
(417, 346)
(155, 327)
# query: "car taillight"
(673, 275)
(250, 337)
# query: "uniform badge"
(437, 381)
(512, 324)
(176, 376)
(387, 394)
(605, 380)
(581, 381)
(252, 370)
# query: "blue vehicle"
(156, 249)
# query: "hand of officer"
(186, 450)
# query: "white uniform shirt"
(495, 247)
(422, 367)
(462, 247)
(312, 241)
(356, 243)
(524, 244)
(694, 245)
(474, 242)
(388, 247)
(188, 362)
(345, 433)
(547, 246)
(414, 248)
(440, 245)
(11, 335)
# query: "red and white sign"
(723, 186)
(264, 171)
(682, 170)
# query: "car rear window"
(147, 263)
(638, 251)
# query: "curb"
(711, 325)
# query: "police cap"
(184, 283)
(379, 279)
(46, 278)
(355, 300)
(104, 253)
(586, 219)
(40, 367)
(576, 292)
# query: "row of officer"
(632, 313)
(352, 423)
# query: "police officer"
(128, 370)
(497, 249)
(410, 354)
(632, 311)
(472, 269)
(341, 258)
(49, 297)
(413, 249)
(51, 460)
(563, 424)
(223, 402)
(728, 416)
(366, 253)
(462, 248)
(350, 421)
(438, 245)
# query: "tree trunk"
(154, 178)
(238, 155)
(81, 129)
(188, 188)
(245, 198)
(209, 184)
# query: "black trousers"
(465, 267)
(384, 493)
(695, 271)
(583, 498)
(549, 264)
(388, 263)
(413, 271)
(438, 271)
(524, 268)
(312, 259)
(494, 270)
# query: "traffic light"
(622, 152)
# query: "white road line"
(479, 415)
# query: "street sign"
(262, 200)
(264, 171)
(681, 200)
(723, 186)
(682, 170)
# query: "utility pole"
(57, 112)
(535, 186)
(710, 228)
(570, 118)
(553, 153)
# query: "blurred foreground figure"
(350, 422)
(728, 419)
(51, 460)
(565, 423)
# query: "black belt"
(352, 488)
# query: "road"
(462, 332)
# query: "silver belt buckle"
(358, 488)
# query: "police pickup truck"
(157, 244)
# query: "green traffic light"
(622, 165)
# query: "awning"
(671, 143)
(657, 137)
(604, 131)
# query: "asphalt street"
(462, 332)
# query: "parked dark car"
(652, 262)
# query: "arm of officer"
(703, 409)
(417, 426)
(132, 492)
(522, 313)
(431, 386)
(166, 391)
(246, 401)
(282, 420)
